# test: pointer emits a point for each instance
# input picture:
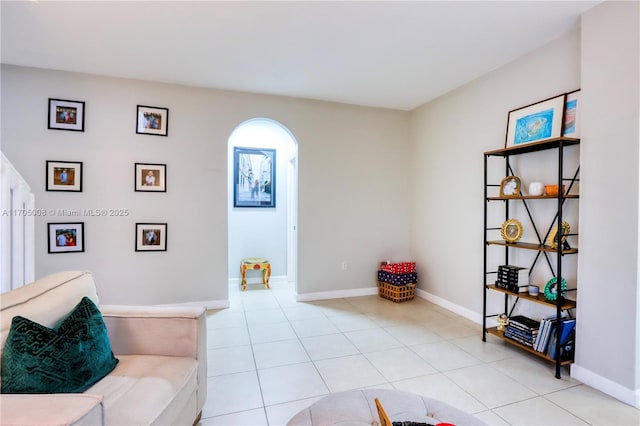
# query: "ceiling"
(390, 54)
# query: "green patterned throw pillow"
(71, 357)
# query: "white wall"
(353, 173)
(449, 137)
(607, 352)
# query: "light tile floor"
(270, 356)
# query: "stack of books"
(549, 335)
(523, 330)
(511, 277)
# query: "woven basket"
(396, 293)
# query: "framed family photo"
(152, 121)
(254, 177)
(510, 186)
(66, 115)
(66, 237)
(151, 237)
(64, 176)
(150, 177)
(535, 123)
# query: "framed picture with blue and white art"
(535, 123)
(254, 177)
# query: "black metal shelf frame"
(559, 144)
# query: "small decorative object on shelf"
(553, 236)
(503, 320)
(510, 186)
(552, 190)
(551, 289)
(511, 230)
(536, 188)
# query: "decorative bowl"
(552, 190)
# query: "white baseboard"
(589, 378)
(456, 309)
(280, 279)
(336, 294)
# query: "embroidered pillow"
(69, 358)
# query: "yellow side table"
(257, 264)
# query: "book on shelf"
(525, 322)
(567, 327)
(543, 334)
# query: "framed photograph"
(553, 236)
(535, 123)
(254, 177)
(152, 121)
(66, 237)
(150, 177)
(64, 176)
(511, 230)
(151, 237)
(66, 115)
(510, 186)
(572, 115)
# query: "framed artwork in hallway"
(254, 177)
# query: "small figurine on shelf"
(502, 322)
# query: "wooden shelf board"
(495, 332)
(531, 197)
(568, 303)
(533, 147)
(530, 246)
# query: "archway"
(262, 219)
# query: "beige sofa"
(160, 378)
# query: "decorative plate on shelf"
(553, 236)
(511, 230)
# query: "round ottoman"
(357, 407)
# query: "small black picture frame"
(150, 177)
(65, 237)
(64, 176)
(66, 115)
(151, 237)
(152, 121)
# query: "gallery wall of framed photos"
(67, 176)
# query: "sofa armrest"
(155, 330)
(59, 409)
(160, 330)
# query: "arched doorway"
(268, 227)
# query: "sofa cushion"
(71, 357)
(165, 383)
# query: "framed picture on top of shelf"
(572, 115)
(152, 121)
(535, 123)
(510, 186)
(66, 115)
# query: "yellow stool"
(257, 264)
